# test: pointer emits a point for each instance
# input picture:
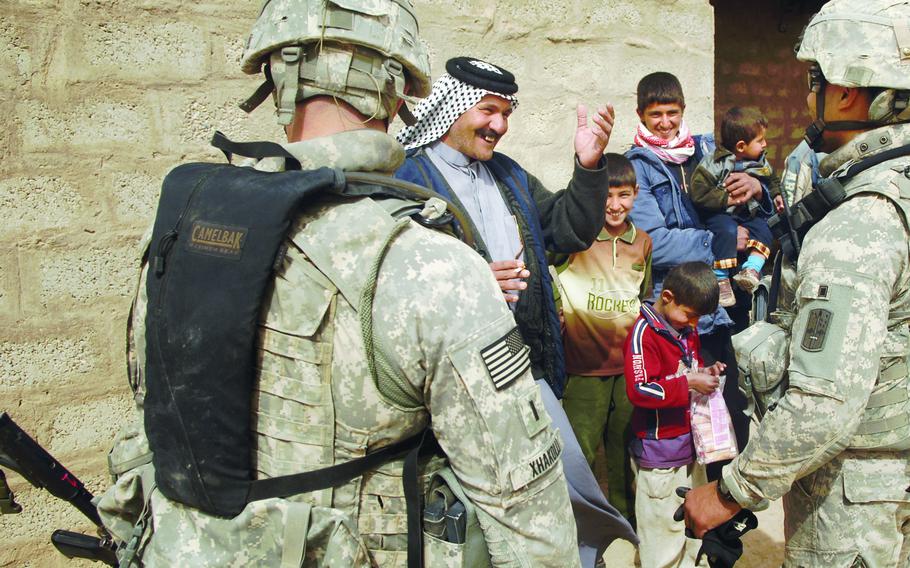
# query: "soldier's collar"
(865, 145)
(363, 150)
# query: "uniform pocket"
(442, 553)
(819, 331)
(876, 481)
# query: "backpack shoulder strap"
(377, 230)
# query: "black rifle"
(19, 452)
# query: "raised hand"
(591, 141)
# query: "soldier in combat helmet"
(836, 445)
(338, 74)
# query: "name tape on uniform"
(537, 465)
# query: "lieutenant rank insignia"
(506, 359)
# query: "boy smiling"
(601, 291)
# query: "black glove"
(723, 544)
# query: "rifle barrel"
(40, 469)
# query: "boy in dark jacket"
(742, 149)
(662, 365)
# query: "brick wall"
(102, 97)
(755, 66)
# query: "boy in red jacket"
(661, 366)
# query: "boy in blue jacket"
(665, 156)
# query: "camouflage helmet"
(864, 43)
(363, 52)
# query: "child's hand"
(778, 203)
(715, 370)
(702, 382)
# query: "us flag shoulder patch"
(506, 358)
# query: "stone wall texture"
(100, 98)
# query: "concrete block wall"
(102, 97)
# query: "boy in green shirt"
(601, 291)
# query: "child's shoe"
(727, 299)
(747, 279)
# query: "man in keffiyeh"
(516, 220)
(665, 155)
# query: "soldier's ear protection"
(817, 83)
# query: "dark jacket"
(563, 222)
(707, 191)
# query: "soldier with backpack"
(305, 327)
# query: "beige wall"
(102, 97)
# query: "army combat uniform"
(438, 315)
(837, 444)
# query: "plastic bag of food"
(712, 429)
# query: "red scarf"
(676, 150)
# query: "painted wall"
(102, 97)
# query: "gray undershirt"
(474, 185)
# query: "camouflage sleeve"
(486, 410)
(848, 267)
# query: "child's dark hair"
(741, 123)
(620, 170)
(659, 88)
(693, 285)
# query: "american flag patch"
(506, 359)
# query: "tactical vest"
(762, 350)
(216, 245)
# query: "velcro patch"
(816, 329)
(217, 240)
(506, 358)
(537, 465)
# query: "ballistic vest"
(762, 350)
(217, 244)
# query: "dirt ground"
(762, 547)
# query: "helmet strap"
(261, 94)
(814, 131)
(405, 114)
(286, 86)
(385, 79)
